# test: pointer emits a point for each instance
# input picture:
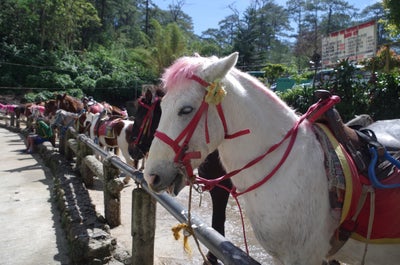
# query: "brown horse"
(50, 107)
(111, 132)
(75, 105)
(69, 103)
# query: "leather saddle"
(383, 135)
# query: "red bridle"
(180, 144)
(147, 120)
(183, 157)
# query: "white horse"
(290, 213)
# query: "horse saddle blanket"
(106, 128)
(365, 213)
(96, 108)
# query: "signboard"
(356, 43)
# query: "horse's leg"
(211, 168)
(128, 160)
(53, 141)
(116, 151)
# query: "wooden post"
(62, 138)
(84, 150)
(112, 187)
(143, 227)
(12, 119)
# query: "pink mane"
(181, 69)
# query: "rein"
(184, 158)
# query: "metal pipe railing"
(227, 252)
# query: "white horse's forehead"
(173, 102)
(177, 98)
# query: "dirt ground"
(167, 249)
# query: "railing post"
(143, 227)
(85, 172)
(62, 139)
(12, 119)
(112, 187)
(67, 151)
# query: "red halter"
(147, 120)
(181, 155)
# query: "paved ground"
(30, 231)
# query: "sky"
(207, 13)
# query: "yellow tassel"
(176, 232)
(216, 93)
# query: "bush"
(379, 98)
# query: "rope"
(188, 230)
(370, 222)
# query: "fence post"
(112, 187)
(85, 172)
(62, 139)
(67, 151)
(143, 227)
(12, 119)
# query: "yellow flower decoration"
(176, 229)
(215, 93)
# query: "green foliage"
(299, 98)
(273, 71)
(384, 96)
(386, 60)
(394, 16)
(379, 98)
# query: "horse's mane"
(182, 68)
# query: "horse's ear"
(219, 68)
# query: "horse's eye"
(185, 110)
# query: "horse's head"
(69, 103)
(50, 108)
(191, 126)
(146, 122)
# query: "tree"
(393, 21)
(166, 44)
(263, 23)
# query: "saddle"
(366, 200)
(105, 125)
(358, 141)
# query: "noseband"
(181, 144)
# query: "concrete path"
(30, 230)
